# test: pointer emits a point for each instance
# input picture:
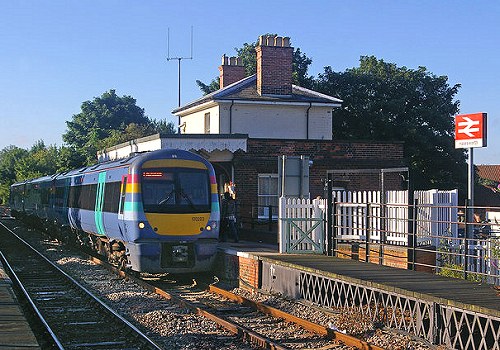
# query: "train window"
(87, 198)
(59, 199)
(111, 197)
(83, 200)
(74, 196)
(178, 190)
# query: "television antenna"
(179, 59)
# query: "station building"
(251, 121)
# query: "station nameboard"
(470, 130)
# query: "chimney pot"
(262, 40)
(224, 60)
(232, 61)
(278, 41)
(270, 40)
(286, 41)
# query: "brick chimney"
(231, 70)
(274, 65)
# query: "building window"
(268, 196)
(207, 123)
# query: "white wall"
(195, 122)
(277, 121)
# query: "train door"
(99, 203)
(121, 205)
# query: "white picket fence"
(361, 213)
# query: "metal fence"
(453, 245)
(433, 228)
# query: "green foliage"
(135, 131)
(495, 247)
(98, 120)
(40, 161)
(248, 55)
(385, 102)
(17, 164)
(209, 88)
(9, 156)
(457, 271)
(163, 127)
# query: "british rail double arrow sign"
(470, 130)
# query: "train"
(154, 212)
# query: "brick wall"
(238, 271)
(230, 71)
(394, 256)
(262, 157)
(274, 70)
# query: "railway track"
(262, 325)
(71, 314)
(254, 323)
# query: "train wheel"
(101, 247)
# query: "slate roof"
(246, 90)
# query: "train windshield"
(175, 190)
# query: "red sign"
(470, 130)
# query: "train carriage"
(153, 212)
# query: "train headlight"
(212, 225)
(141, 225)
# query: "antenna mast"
(179, 59)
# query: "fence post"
(329, 219)
(383, 224)
(412, 217)
(469, 232)
(367, 232)
(414, 230)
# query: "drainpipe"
(231, 117)
(307, 120)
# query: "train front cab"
(177, 211)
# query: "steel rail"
(242, 331)
(76, 283)
(308, 325)
(33, 306)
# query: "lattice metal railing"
(439, 324)
(461, 329)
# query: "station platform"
(15, 331)
(466, 295)
(441, 310)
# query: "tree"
(248, 55)
(39, 161)
(135, 131)
(97, 121)
(386, 102)
(163, 127)
(9, 156)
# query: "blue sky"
(56, 54)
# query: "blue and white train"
(153, 212)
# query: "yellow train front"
(170, 213)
